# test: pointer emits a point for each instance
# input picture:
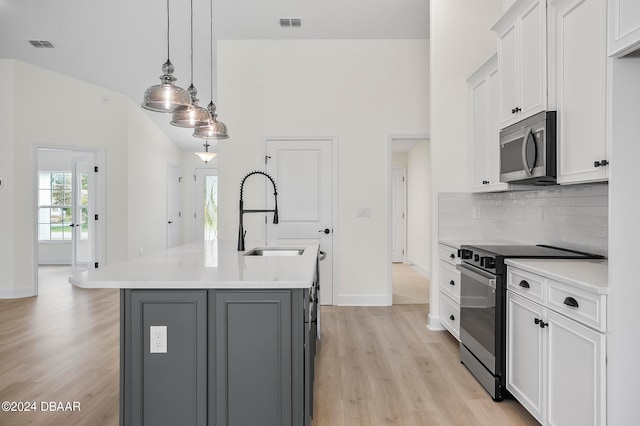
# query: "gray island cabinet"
(235, 350)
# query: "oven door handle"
(477, 274)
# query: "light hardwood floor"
(409, 286)
(376, 365)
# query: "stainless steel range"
(483, 307)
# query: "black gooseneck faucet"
(241, 231)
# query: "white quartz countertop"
(206, 265)
(589, 275)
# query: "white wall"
(7, 174)
(359, 91)
(150, 152)
(56, 111)
(419, 206)
(399, 159)
(461, 40)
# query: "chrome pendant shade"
(205, 155)
(166, 96)
(192, 116)
(215, 129)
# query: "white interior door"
(398, 214)
(174, 226)
(83, 212)
(303, 171)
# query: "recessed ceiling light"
(41, 44)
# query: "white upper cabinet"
(578, 79)
(624, 27)
(484, 86)
(522, 61)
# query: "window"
(54, 206)
(211, 207)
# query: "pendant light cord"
(192, 42)
(168, 30)
(211, 57)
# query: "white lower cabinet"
(555, 365)
(576, 371)
(449, 284)
(526, 352)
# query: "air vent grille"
(291, 22)
(41, 44)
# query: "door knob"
(325, 230)
(170, 222)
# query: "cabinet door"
(581, 88)
(252, 358)
(509, 75)
(493, 145)
(481, 112)
(525, 353)
(576, 373)
(164, 388)
(624, 27)
(533, 60)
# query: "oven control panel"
(479, 258)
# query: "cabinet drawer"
(579, 305)
(449, 254)
(450, 315)
(450, 281)
(526, 284)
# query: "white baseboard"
(362, 300)
(16, 293)
(422, 271)
(434, 323)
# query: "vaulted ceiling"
(121, 44)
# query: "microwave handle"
(525, 142)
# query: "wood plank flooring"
(376, 365)
(409, 286)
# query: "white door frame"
(390, 140)
(334, 195)
(100, 204)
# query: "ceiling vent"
(291, 22)
(41, 44)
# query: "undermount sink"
(274, 251)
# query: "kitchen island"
(210, 335)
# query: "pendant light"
(191, 116)
(216, 129)
(165, 97)
(205, 155)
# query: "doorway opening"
(410, 220)
(67, 194)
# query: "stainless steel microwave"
(528, 150)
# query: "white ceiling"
(121, 44)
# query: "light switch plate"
(158, 339)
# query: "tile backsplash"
(573, 217)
